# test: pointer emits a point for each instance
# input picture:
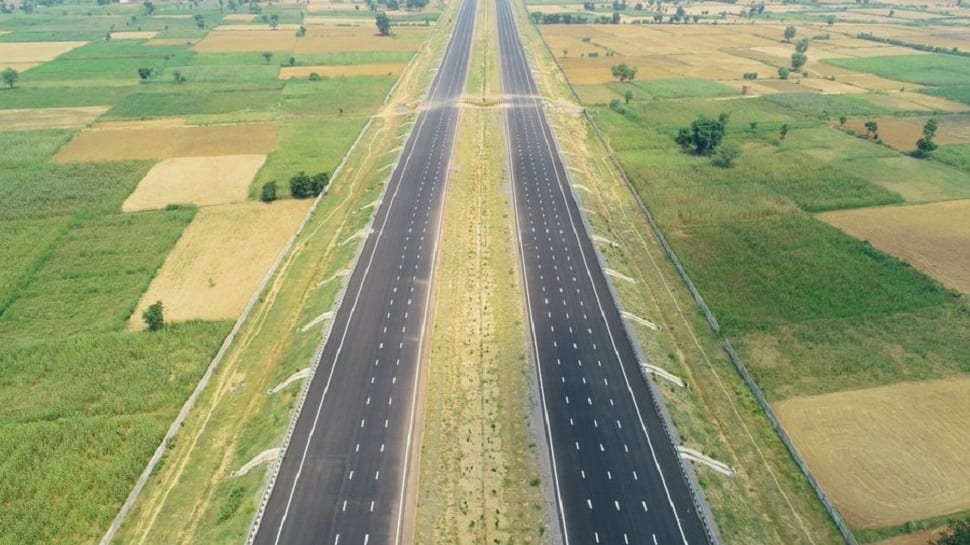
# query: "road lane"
(343, 477)
(617, 477)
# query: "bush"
(314, 76)
(725, 155)
(230, 504)
(304, 187)
(783, 72)
(154, 317)
(269, 192)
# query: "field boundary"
(318, 353)
(709, 317)
(656, 396)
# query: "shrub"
(154, 317)
(269, 192)
(314, 76)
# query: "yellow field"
(49, 118)
(338, 70)
(934, 238)
(164, 138)
(133, 35)
(319, 38)
(20, 53)
(200, 181)
(220, 260)
(887, 455)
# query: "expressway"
(343, 476)
(617, 478)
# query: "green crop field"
(933, 69)
(84, 400)
(807, 305)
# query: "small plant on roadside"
(230, 504)
(957, 533)
(154, 317)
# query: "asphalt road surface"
(617, 478)
(343, 478)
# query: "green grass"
(108, 60)
(303, 146)
(35, 96)
(675, 88)
(25, 243)
(194, 98)
(357, 95)
(57, 189)
(762, 274)
(826, 106)
(914, 179)
(93, 278)
(69, 462)
(956, 155)
(29, 148)
(959, 93)
(931, 69)
(835, 354)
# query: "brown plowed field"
(887, 455)
(49, 118)
(220, 260)
(201, 181)
(167, 138)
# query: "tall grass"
(78, 418)
(94, 277)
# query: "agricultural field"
(133, 149)
(832, 258)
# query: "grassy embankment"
(193, 498)
(479, 476)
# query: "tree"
(872, 129)
(178, 77)
(10, 76)
(383, 24)
(149, 7)
(704, 135)
(783, 131)
(267, 55)
(153, 316)
(801, 46)
(627, 96)
(830, 20)
(616, 18)
(269, 192)
(622, 72)
(301, 32)
(789, 33)
(274, 21)
(957, 533)
(926, 145)
(783, 72)
(798, 60)
(314, 76)
(303, 186)
(199, 21)
(725, 155)
(842, 120)
(145, 73)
